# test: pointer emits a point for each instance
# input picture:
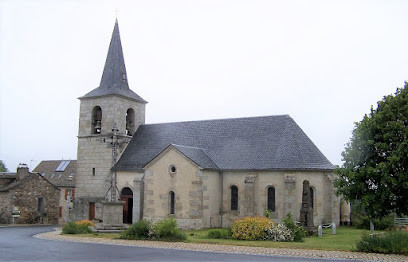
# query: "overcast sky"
(322, 62)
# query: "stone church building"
(202, 173)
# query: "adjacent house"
(27, 197)
(61, 173)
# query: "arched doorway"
(127, 196)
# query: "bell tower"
(112, 105)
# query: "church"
(202, 173)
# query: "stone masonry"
(25, 195)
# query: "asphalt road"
(18, 244)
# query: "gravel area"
(56, 235)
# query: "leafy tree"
(375, 171)
(3, 167)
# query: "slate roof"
(60, 179)
(255, 143)
(17, 183)
(197, 155)
(114, 78)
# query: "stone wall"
(5, 208)
(187, 183)
(252, 193)
(25, 197)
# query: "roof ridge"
(219, 119)
(176, 145)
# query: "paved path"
(18, 244)
(293, 253)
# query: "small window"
(40, 204)
(172, 202)
(71, 176)
(271, 199)
(93, 171)
(62, 165)
(124, 77)
(234, 198)
(172, 169)
(59, 176)
(51, 175)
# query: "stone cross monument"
(306, 211)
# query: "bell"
(98, 126)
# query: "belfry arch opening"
(130, 122)
(96, 120)
(126, 195)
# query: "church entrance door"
(127, 197)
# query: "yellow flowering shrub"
(85, 223)
(251, 228)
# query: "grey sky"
(322, 62)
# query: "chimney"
(22, 171)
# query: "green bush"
(167, 229)
(251, 228)
(74, 228)
(218, 233)
(298, 232)
(139, 230)
(394, 242)
(385, 223)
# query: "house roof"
(64, 178)
(17, 183)
(114, 79)
(255, 143)
(8, 175)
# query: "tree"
(375, 169)
(3, 167)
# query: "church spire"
(114, 74)
(114, 79)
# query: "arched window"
(96, 120)
(172, 202)
(311, 197)
(271, 199)
(234, 198)
(130, 122)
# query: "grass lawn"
(345, 240)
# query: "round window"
(172, 169)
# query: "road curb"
(286, 252)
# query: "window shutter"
(60, 212)
(66, 194)
(73, 194)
